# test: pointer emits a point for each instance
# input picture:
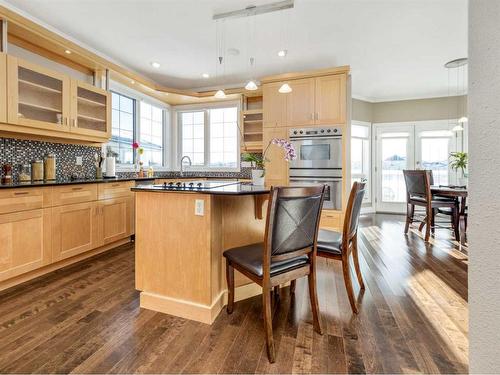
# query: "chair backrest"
(293, 216)
(418, 184)
(351, 218)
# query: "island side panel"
(173, 247)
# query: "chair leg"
(230, 287)
(456, 222)
(276, 291)
(433, 220)
(410, 211)
(428, 221)
(348, 283)
(292, 286)
(313, 295)
(268, 324)
(356, 262)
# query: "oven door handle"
(336, 137)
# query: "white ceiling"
(396, 48)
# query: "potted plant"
(459, 160)
(259, 161)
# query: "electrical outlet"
(79, 160)
(199, 207)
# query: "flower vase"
(258, 177)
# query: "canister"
(37, 170)
(50, 167)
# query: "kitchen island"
(181, 233)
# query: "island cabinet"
(3, 87)
(277, 167)
(51, 104)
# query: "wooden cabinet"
(3, 87)
(330, 100)
(24, 199)
(115, 189)
(37, 97)
(74, 229)
(274, 106)
(90, 110)
(331, 219)
(53, 103)
(24, 242)
(300, 102)
(71, 194)
(116, 219)
(277, 167)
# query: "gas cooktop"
(194, 185)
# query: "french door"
(424, 145)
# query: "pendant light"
(220, 94)
(283, 53)
(251, 85)
(460, 68)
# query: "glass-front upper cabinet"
(37, 97)
(3, 87)
(90, 110)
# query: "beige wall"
(408, 110)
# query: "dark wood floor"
(414, 318)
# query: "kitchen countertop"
(232, 188)
(73, 182)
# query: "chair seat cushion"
(436, 201)
(330, 241)
(250, 258)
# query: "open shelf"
(253, 133)
(91, 102)
(251, 118)
(252, 112)
(253, 121)
(88, 118)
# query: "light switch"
(79, 160)
(199, 207)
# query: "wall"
(408, 110)
(484, 181)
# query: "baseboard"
(16, 280)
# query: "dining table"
(460, 193)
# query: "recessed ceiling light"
(132, 82)
(282, 53)
(205, 75)
(155, 64)
(68, 52)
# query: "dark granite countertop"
(231, 188)
(73, 182)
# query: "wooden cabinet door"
(3, 87)
(277, 167)
(90, 110)
(273, 105)
(24, 242)
(300, 104)
(37, 97)
(116, 219)
(74, 229)
(330, 100)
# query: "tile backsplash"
(17, 152)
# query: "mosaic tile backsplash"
(18, 152)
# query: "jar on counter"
(37, 170)
(25, 174)
(50, 167)
(6, 174)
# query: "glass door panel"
(90, 116)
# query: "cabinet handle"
(316, 116)
(65, 121)
(312, 116)
(76, 188)
(21, 193)
(74, 122)
(115, 185)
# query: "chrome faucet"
(182, 161)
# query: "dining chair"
(287, 253)
(418, 193)
(340, 245)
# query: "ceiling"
(396, 48)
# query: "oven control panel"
(316, 132)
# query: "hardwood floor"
(413, 318)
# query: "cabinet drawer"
(115, 189)
(71, 194)
(23, 199)
(331, 219)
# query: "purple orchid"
(290, 153)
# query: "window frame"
(168, 144)
(178, 110)
(367, 199)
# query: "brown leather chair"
(338, 246)
(418, 193)
(287, 253)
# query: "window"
(151, 134)
(135, 120)
(122, 127)
(360, 156)
(210, 137)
